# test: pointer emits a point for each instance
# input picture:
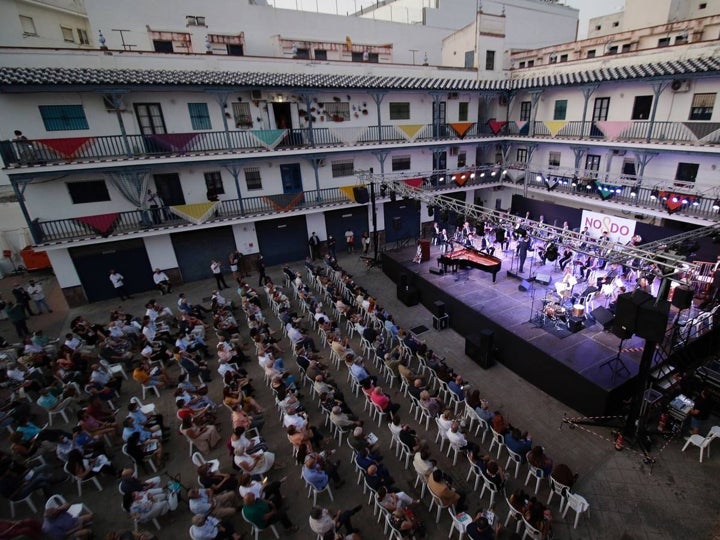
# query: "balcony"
(139, 221)
(111, 147)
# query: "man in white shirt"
(162, 282)
(293, 418)
(216, 269)
(35, 291)
(118, 282)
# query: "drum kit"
(559, 308)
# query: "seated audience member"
(456, 438)
(323, 523)
(207, 527)
(499, 424)
(537, 458)
(441, 488)
(263, 513)
(59, 524)
(518, 442)
(383, 401)
(480, 529)
(318, 473)
(561, 473)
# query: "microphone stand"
(532, 302)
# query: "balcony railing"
(143, 220)
(98, 148)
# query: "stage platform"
(578, 369)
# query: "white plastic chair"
(60, 409)
(701, 442)
(146, 387)
(561, 489)
(27, 500)
(577, 503)
(456, 525)
(198, 459)
(492, 489)
(75, 510)
(114, 369)
(147, 459)
(531, 531)
(497, 440)
(513, 513)
(473, 471)
(515, 458)
(256, 531)
(145, 409)
(438, 504)
(537, 473)
(314, 491)
(80, 481)
(441, 434)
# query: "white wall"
(160, 252)
(316, 223)
(64, 268)
(48, 21)
(245, 238)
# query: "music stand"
(616, 364)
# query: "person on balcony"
(154, 202)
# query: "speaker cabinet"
(409, 295)
(361, 195)
(403, 281)
(439, 309)
(543, 279)
(575, 324)
(682, 297)
(479, 347)
(424, 250)
(603, 316)
(626, 311)
(652, 321)
(525, 286)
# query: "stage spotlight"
(472, 176)
(463, 177)
(664, 198)
(674, 199)
(539, 178)
(654, 194)
(453, 178)
(493, 173)
(441, 179)
(633, 192)
(504, 171)
(618, 189)
(696, 202)
(685, 201)
(482, 175)
(716, 204)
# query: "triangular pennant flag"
(414, 182)
(702, 129)
(102, 223)
(283, 202)
(66, 147)
(410, 131)
(612, 130)
(496, 126)
(173, 142)
(522, 126)
(461, 128)
(461, 178)
(194, 213)
(269, 138)
(554, 126)
(349, 192)
(606, 191)
(348, 136)
(674, 201)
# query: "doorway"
(291, 178)
(282, 116)
(169, 188)
(439, 119)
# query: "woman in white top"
(254, 464)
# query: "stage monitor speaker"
(603, 316)
(361, 195)
(525, 286)
(652, 321)
(479, 347)
(682, 297)
(543, 279)
(439, 308)
(626, 310)
(437, 271)
(403, 280)
(410, 296)
(575, 324)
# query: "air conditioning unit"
(680, 85)
(619, 152)
(453, 95)
(113, 105)
(256, 95)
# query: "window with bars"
(521, 155)
(214, 183)
(401, 163)
(463, 108)
(320, 54)
(702, 106)
(67, 34)
(560, 109)
(253, 181)
(525, 108)
(241, 114)
(89, 191)
(489, 60)
(343, 167)
(28, 26)
(337, 109)
(399, 110)
(199, 116)
(554, 160)
(63, 117)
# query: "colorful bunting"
(194, 213)
(283, 202)
(675, 201)
(554, 126)
(172, 142)
(349, 135)
(102, 223)
(461, 128)
(269, 138)
(410, 131)
(414, 182)
(66, 147)
(523, 127)
(612, 130)
(496, 126)
(702, 129)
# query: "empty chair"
(577, 503)
(114, 369)
(459, 523)
(497, 440)
(491, 488)
(514, 458)
(198, 459)
(703, 442)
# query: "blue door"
(291, 178)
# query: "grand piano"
(470, 258)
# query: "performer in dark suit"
(523, 245)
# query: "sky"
(588, 8)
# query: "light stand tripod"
(616, 365)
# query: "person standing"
(22, 297)
(35, 291)
(332, 244)
(216, 269)
(152, 200)
(162, 281)
(314, 243)
(118, 282)
(16, 314)
(523, 244)
(350, 240)
(260, 265)
(365, 243)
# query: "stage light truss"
(633, 257)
